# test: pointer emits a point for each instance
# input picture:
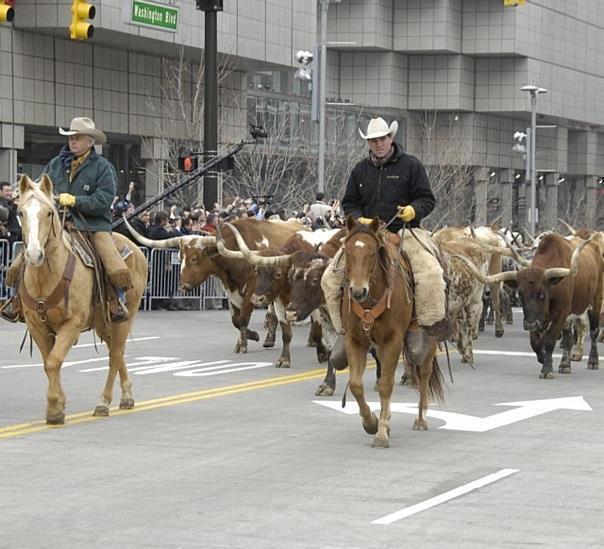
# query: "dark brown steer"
(564, 278)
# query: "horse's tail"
(436, 380)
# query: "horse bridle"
(369, 316)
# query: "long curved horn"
(174, 242)
(519, 259)
(254, 257)
(571, 230)
(492, 279)
(223, 250)
(561, 272)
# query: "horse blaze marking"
(451, 494)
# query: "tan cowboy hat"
(378, 127)
(85, 126)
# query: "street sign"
(462, 422)
(155, 15)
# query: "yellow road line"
(183, 398)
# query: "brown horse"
(378, 308)
(62, 290)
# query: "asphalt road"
(224, 450)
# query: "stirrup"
(8, 313)
(120, 314)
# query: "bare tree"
(445, 151)
(284, 165)
(178, 115)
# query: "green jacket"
(94, 186)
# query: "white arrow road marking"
(462, 422)
(140, 363)
(226, 369)
(451, 494)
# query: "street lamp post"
(532, 156)
(322, 85)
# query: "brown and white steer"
(199, 259)
(272, 283)
(564, 278)
(464, 290)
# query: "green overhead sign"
(151, 14)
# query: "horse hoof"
(576, 357)
(592, 366)
(324, 390)
(127, 404)
(371, 425)
(282, 364)
(564, 370)
(499, 333)
(57, 420)
(380, 442)
(546, 375)
(101, 411)
(240, 348)
(420, 425)
(253, 335)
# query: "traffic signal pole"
(210, 107)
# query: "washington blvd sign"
(462, 422)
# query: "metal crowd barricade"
(164, 282)
(4, 263)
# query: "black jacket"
(138, 226)
(377, 191)
(12, 224)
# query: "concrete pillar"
(548, 218)
(154, 180)
(154, 152)
(591, 200)
(12, 138)
(506, 183)
(481, 186)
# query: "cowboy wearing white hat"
(86, 184)
(393, 186)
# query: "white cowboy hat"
(85, 126)
(378, 127)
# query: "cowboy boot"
(337, 358)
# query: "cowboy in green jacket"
(86, 183)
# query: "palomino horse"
(62, 287)
(378, 308)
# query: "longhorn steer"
(200, 259)
(465, 291)
(564, 278)
(272, 284)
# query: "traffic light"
(7, 12)
(187, 163)
(80, 28)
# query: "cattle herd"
(556, 278)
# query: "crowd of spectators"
(163, 224)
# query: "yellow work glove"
(66, 199)
(406, 213)
(364, 220)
